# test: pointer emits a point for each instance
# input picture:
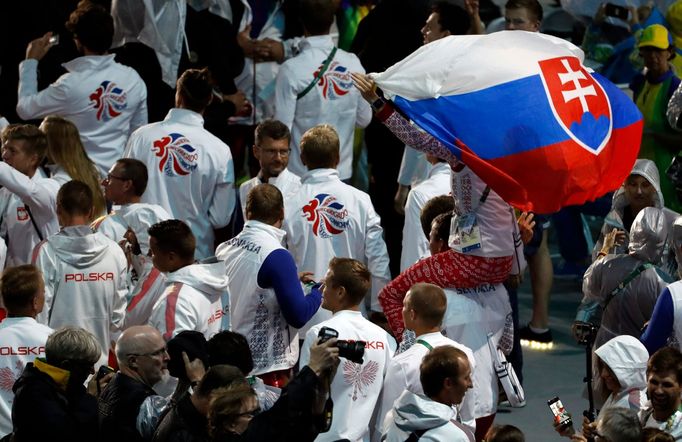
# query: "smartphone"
(561, 417)
(616, 11)
(54, 40)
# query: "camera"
(585, 332)
(351, 350)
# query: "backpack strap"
(318, 74)
(624, 283)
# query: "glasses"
(275, 152)
(152, 354)
(110, 177)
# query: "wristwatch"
(377, 104)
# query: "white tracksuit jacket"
(196, 298)
(21, 341)
(40, 195)
(288, 184)
(355, 388)
(85, 283)
(329, 218)
(191, 174)
(333, 100)
(106, 101)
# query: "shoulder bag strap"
(425, 344)
(318, 75)
(628, 279)
(35, 226)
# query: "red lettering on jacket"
(21, 351)
(89, 277)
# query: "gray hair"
(620, 424)
(72, 344)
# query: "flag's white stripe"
(467, 63)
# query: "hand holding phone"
(562, 420)
(616, 11)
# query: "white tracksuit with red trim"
(85, 283)
(21, 341)
(196, 298)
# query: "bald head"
(428, 302)
(141, 354)
(138, 339)
(264, 203)
(320, 147)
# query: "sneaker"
(569, 270)
(536, 341)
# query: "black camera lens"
(353, 351)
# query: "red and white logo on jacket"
(327, 215)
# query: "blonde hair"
(65, 149)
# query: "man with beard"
(664, 386)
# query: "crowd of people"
(216, 228)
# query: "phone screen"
(561, 417)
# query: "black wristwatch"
(377, 104)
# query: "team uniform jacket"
(403, 374)
(40, 195)
(355, 388)
(104, 99)
(191, 174)
(21, 341)
(148, 283)
(287, 183)
(415, 244)
(267, 317)
(196, 298)
(471, 314)
(333, 100)
(85, 283)
(329, 218)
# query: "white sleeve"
(675, 109)
(40, 195)
(33, 104)
(395, 383)
(285, 97)
(310, 337)
(45, 264)
(171, 320)
(408, 166)
(119, 303)
(3, 123)
(415, 244)
(140, 116)
(222, 206)
(376, 255)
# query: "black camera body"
(351, 350)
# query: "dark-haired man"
(355, 387)
(191, 174)
(22, 337)
(315, 88)
(268, 303)
(104, 99)
(664, 389)
(27, 197)
(523, 15)
(124, 186)
(84, 271)
(196, 295)
(272, 152)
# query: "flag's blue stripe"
(506, 119)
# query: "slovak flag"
(523, 113)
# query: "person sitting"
(196, 295)
(50, 401)
(23, 295)
(622, 289)
(445, 375)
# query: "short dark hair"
(439, 364)
(533, 7)
(273, 129)
(352, 275)
(504, 433)
(35, 140)
(231, 348)
(75, 198)
(135, 171)
(650, 434)
(92, 25)
(219, 376)
(264, 203)
(451, 17)
(194, 85)
(317, 16)
(173, 235)
(664, 360)
(434, 207)
(19, 286)
(320, 147)
(429, 303)
(442, 224)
